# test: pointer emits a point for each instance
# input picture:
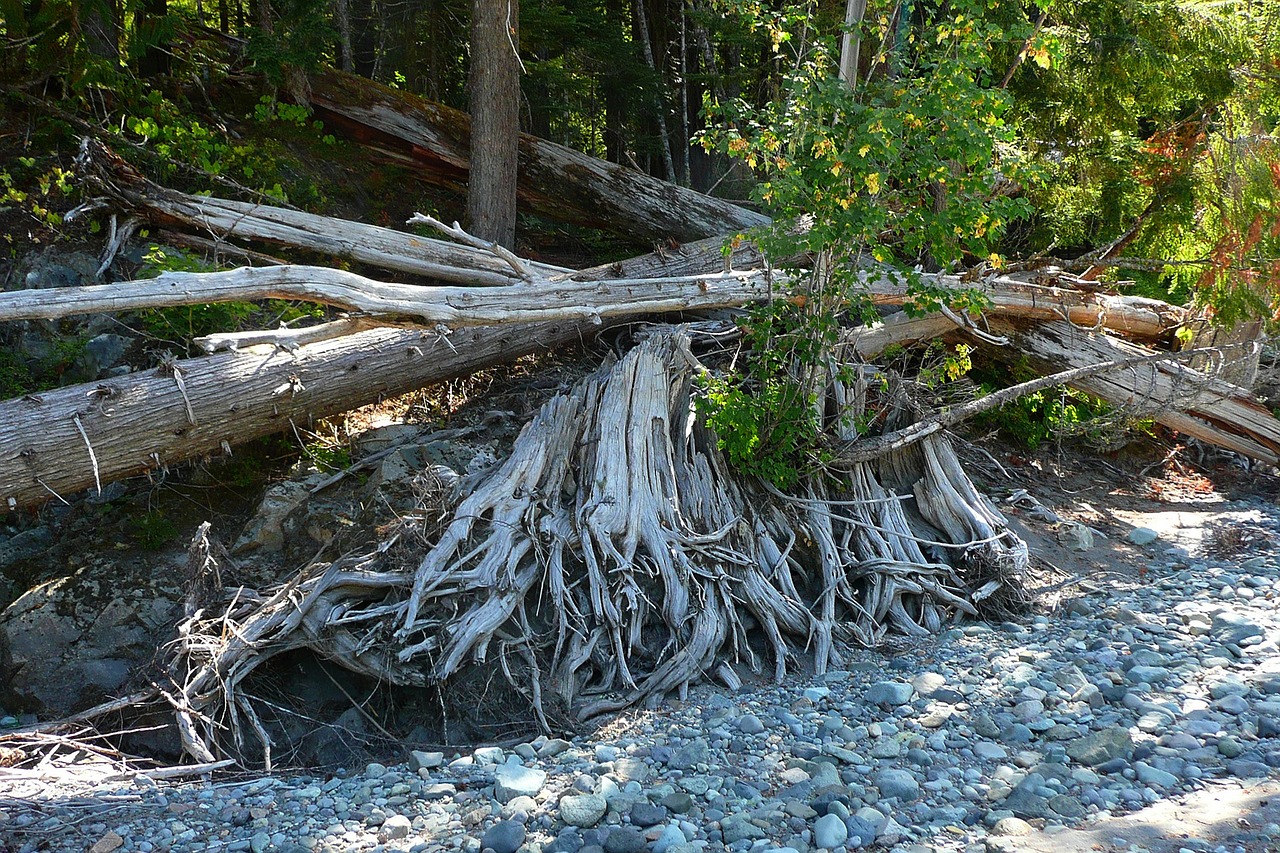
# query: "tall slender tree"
(495, 119)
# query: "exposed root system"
(615, 557)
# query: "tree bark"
(495, 120)
(343, 239)
(138, 423)
(454, 307)
(554, 181)
(1186, 400)
(1138, 316)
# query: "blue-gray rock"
(645, 814)
(1099, 748)
(889, 693)
(505, 836)
(1143, 536)
(1026, 801)
(670, 837)
(1147, 675)
(516, 780)
(1149, 775)
(624, 839)
(1246, 768)
(829, 831)
(738, 827)
(568, 841)
(678, 802)
(103, 351)
(1230, 626)
(627, 769)
(897, 783)
(749, 724)
(689, 756)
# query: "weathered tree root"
(618, 556)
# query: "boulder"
(73, 642)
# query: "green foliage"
(765, 418)
(297, 40)
(328, 456)
(15, 375)
(896, 172)
(1052, 413)
(154, 530)
(37, 191)
(181, 323)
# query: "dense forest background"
(1143, 131)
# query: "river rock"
(516, 780)
(1100, 747)
(584, 810)
(505, 836)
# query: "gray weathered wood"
(143, 421)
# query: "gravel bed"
(965, 742)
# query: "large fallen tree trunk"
(453, 306)
(225, 219)
(58, 442)
(1173, 394)
(554, 181)
(558, 297)
(1013, 297)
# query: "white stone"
(515, 780)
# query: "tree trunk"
(1186, 400)
(495, 120)
(104, 431)
(554, 181)
(342, 20)
(454, 307)
(343, 239)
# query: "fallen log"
(103, 431)
(1007, 296)
(1186, 400)
(453, 306)
(225, 219)
(554, 181)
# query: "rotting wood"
(554, 181)
(139, 423)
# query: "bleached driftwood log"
(224, 219)
(614, 556)
(453, 306)
(1049, 299)
(58, 442)
(1186, 400)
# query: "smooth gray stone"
(1101, 747)
(889, 693)
(505, 836)
(829, 831)
(897, 783)
(583, 810)
(516, 780)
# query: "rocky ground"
(1142, 714)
